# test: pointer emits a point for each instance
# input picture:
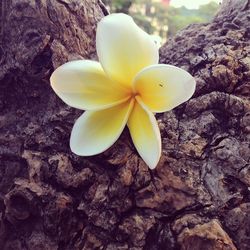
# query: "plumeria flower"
(127, 87)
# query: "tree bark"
(199, 195)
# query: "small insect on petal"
(162, 87)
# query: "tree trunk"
(197, 198)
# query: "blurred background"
(164, 18)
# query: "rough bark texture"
(197, 198)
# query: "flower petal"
(162, 87)
(83, 84)
(96, 131)
(145, 133)
(123, 48)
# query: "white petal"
(123, 48)
(162, 87)
(96, 131)
(83, 84)
(145, 133)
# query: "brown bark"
(197, 198)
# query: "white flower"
(126, 87)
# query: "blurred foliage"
(178, 18)
(159, 19)
(119, 5)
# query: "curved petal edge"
(145, 133)
(95, 131)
